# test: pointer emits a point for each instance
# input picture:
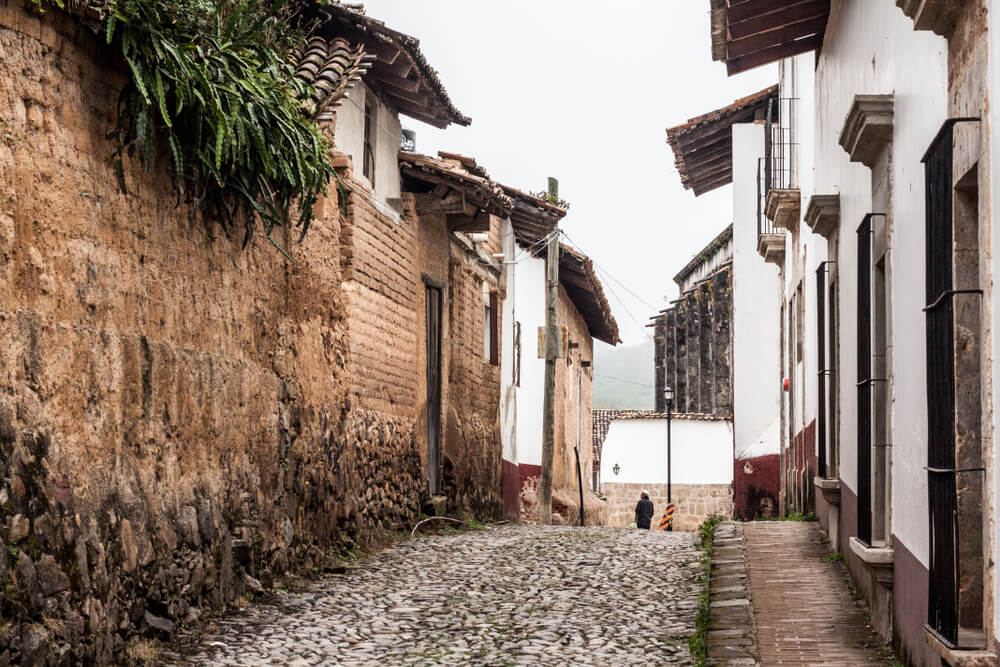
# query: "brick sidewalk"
(804, 611)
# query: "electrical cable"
(638, 384)
(608, 273)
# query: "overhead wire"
(611, 277)
(638, 384)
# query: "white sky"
(584, 90)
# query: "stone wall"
(180, 417)
(694, 502)
(694, 348)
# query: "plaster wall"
(872, 48)
(350, 138)
(508, 388)
(803, 249)
(701, 452)
(529, 310)
(756, 308)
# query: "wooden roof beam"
(721, 163)
(708, 152)
(715, 130)
(781, 35)
(790, 14)
(747, 9)
(701, 187)
(774, 53)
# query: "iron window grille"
(824, 373)
(865, 379)
(942, 471)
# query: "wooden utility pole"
(551, 354)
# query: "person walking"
(644, 511)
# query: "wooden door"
(434, 389)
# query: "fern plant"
(213, 90)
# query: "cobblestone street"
(504, 596)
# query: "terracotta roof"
(751, 33)
(725, 236)
(577, 275)
(400, 70)
(452, 172)
(703, 146)
(332, 67)
(532, 218)
(354, 42)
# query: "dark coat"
(644, 513)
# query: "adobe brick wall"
(175, 411)
(570, 396)
(472, 448)
(694, 502)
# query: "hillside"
(623, 376)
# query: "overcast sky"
(584, 90)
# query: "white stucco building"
(877, 211)
(634, 458)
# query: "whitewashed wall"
(349, 137)
(529, 310)
(701, 452)
(872, 48)
(508, 390)
(803, 250)
(756, 310)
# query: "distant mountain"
(623, 376)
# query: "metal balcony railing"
(779, 168)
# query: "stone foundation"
(694, 502)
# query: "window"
(800, 318)
(822, 376)
(491, 351)
(369, 158)
(955, 462)
(517, 354)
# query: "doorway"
(433, 301)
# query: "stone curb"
(732, 635)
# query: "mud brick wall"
(472, 448)
(431, 268)
(378, 257)
(694, 502)
(573, 394)
(695, 340)
(176, 413)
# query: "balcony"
(771, 247)
(823, 214)
(782, 207)
(778, 198)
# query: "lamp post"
(668, 395)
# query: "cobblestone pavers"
(511, 595)
(804, 612)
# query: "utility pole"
(551, 354)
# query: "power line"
(628, 312)
(611, 277)
(638, 384)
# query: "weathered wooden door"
(434, 389)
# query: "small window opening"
(517, 354)
(369, 158)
